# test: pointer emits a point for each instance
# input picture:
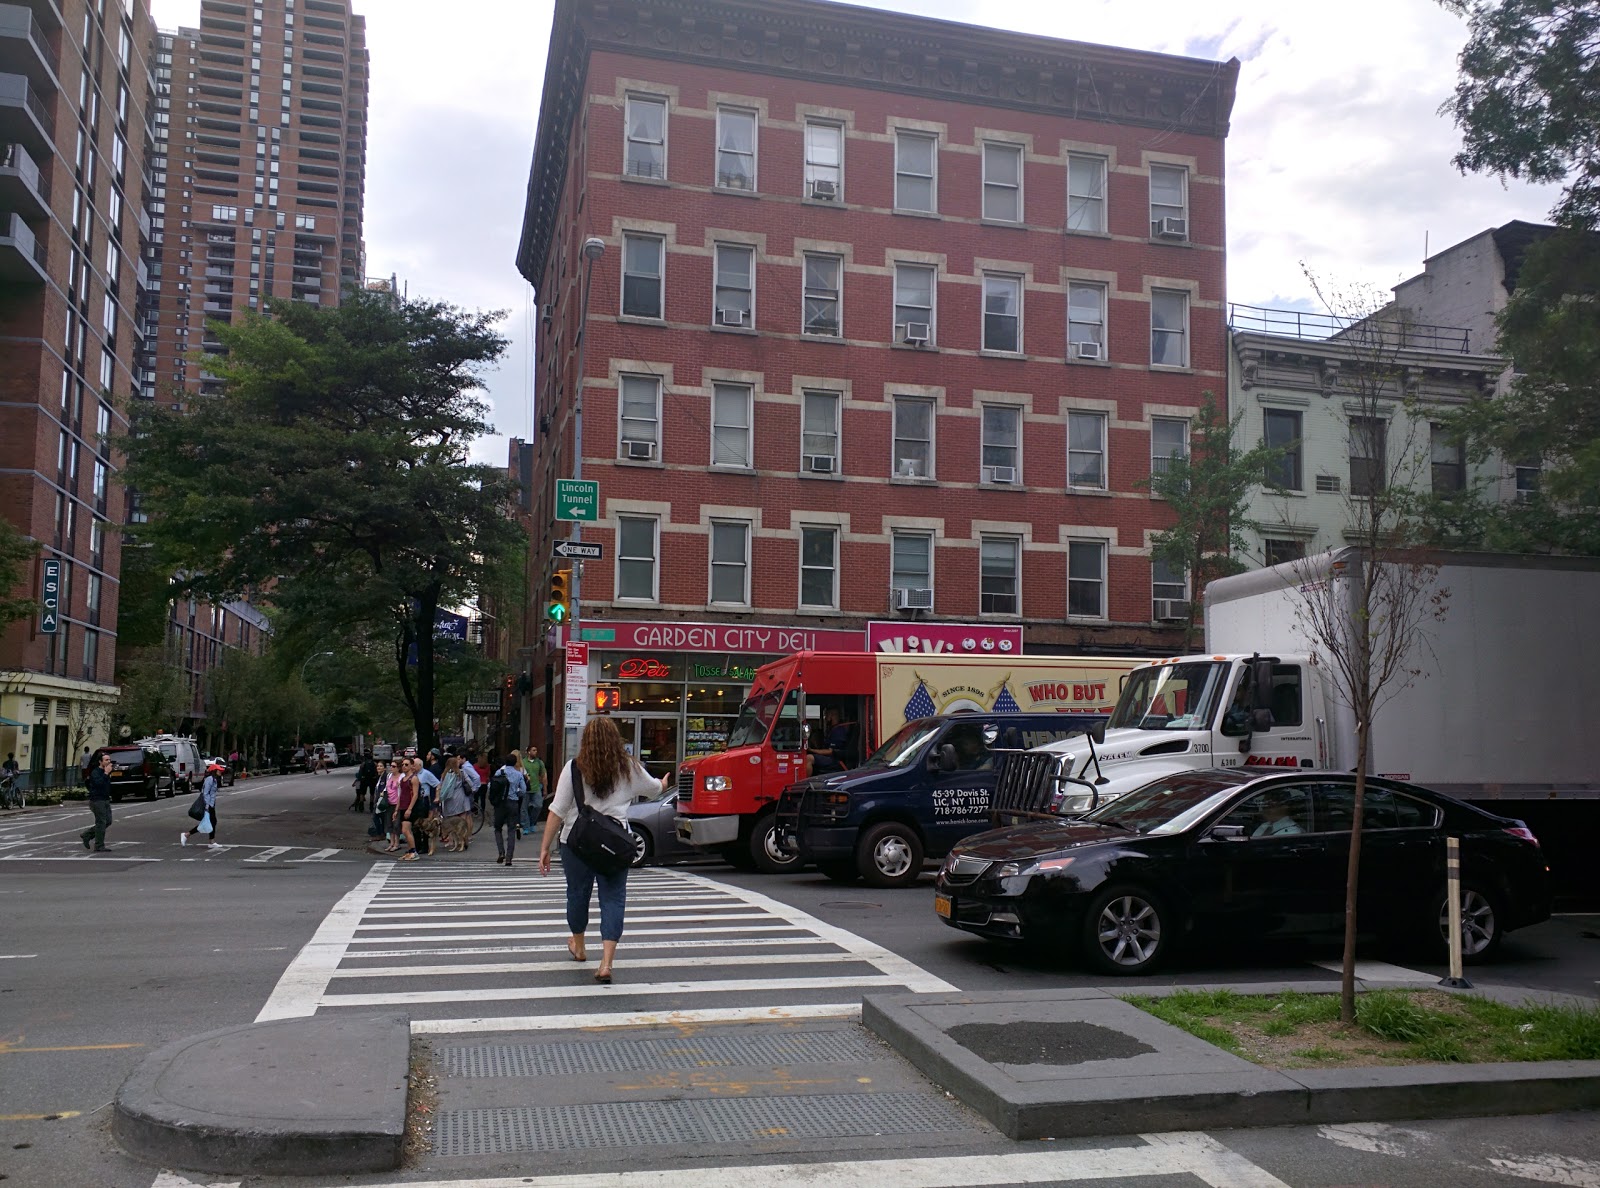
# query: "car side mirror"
(943, 758)
(1227, 833)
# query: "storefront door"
(657, 745)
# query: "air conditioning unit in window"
(730, 317)
(909, 468)
(1172, 610)
(1328, 484)
(916, 333)
(913, 598)
(641, 451)
(548, 314)
(819, 463)
(827, 191)
(1002, 474)
(1087, 350)
(1170, 228)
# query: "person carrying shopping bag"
(606, 779)
(208, 794)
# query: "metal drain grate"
(615, 1056)
(717, 1120)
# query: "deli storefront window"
(676, 705)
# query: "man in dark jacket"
(99, 780)
(366, 781)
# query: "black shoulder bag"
(601, 841)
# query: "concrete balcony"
(22, 187)
(23, 119)
(21, 255)
(24, 48)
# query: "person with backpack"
(507, 788)
(606, 779)
(366, 782)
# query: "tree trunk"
(1352, 876)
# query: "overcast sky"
(1337, 156)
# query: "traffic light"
(607, 698)
(559, 608)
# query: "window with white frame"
(1002, 182)
(1169, 583)
(913, 303)
(822, 295)
(730, 562)
(1169, 328)
(911, 561)
(1281, 551)
(915, 160)
(999, 578)
(1169, 201)
(819, 567)
(1086, 193)
(1369, 455)
(1002, 312)
(1448, 457)
(1086, 450)
(819, 433)
(1001, 449)
(1086, 579)
(736, 148)
(824, 172)
(646, 152)
(1281, 431)
(1086, 320)
(640, 406)
(730, 424)
(913, 437)
(735, 297)
(1169, 440)
(636, 558)
(642, 258)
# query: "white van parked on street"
(188, 766)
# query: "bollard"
(1453, 899)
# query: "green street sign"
(600, 634)
(577, 499)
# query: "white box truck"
(1499, 716)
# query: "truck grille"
(1025, 787)
(685, 785)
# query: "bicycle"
(11, 794)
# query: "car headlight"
(718, 784)
(1033, 866)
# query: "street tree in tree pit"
(333, 472)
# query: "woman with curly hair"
(612, 780)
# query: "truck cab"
(1181, 714)
(925, 789)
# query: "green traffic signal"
(557, 612)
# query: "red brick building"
(892, 317)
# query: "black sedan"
(1230, 853)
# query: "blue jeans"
(581, 878)
(532, 803)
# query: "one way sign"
(576, 548)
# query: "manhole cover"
(1046, 1043)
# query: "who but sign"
(50, 598)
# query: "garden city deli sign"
(732, 637)
(959, 639)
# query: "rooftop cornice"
(862, 47)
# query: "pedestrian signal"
(559, 608)
(607, 698)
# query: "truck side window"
(1285, 700)
(786, 732)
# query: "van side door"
(960, 797)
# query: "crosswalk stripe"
(634, 946)
(533, 915)
(634, 963)
(512, 993)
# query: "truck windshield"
(756, 717)
(1170, 697)
(902, 748)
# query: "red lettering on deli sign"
(717, 637)
(643, 668)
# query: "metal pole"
(593, 249)
(1453, 899)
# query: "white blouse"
(614, 804)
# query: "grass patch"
(1293, 1029)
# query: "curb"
(309, 1096)
(1222, 1092)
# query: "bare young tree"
(1369, 618)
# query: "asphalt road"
(105, 957)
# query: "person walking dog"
(99, 781)
(611, 780)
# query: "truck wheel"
(641, 847)
(890, 855)
(1127, 930)
(840, 872)
(769, 857)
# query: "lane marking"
(519, 967)
(831, 1010)
(306, 979)
(270, 853)
(514, 993)
(764, 942)
(17, 956)
(552, 915)
(55, 1117)
(320, 856)
(1551, 1169)
(6, 1049)
(562, 931)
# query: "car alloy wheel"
(641, 846)
(1126, 933)
(1480, 924)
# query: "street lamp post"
(593, 248)
(303, 667)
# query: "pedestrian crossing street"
(482, 948)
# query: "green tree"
(1528, 105)
(333, 474)
(1208, 491)
(16, 553)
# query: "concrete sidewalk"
(326, 1094)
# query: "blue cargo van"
(922, 791)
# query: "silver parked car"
(654, 831)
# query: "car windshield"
(1170, 697)
(903, 745)
(1168, 805)
(755, 719)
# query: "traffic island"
(314, 1096)
(1077, 1062)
